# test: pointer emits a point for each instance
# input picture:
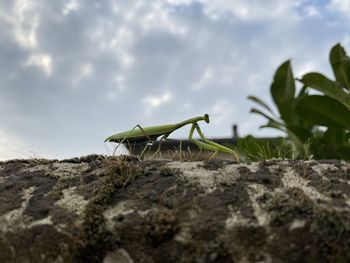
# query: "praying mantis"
(146, 134)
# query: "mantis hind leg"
(122, 141)
(164, 137)
(145, 148)
(148, 145)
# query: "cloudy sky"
(73, 72)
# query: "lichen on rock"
(122, 209)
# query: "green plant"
(257, 149)
(303, 115)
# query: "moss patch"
(96, 241)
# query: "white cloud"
(25, 23)
(255, 80)
(342, 6)
(183, 2)
(153, 102)
(114, 38)
(248, 10)
(158, 18)
(126, 59)
(305, 68)
(204, 79)
(311, 11)
(257, 10)
(122, 38)
(222, 111)
(71, 6)
(346, 40)
(84, 71)
(43, 61)
(10, 147)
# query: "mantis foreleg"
(218, 146)
(210, 145)
(200, 144)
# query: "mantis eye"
(206, 118)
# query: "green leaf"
(297, 144)
(261, 103)
(303, 92)
(341, 65)
(274, 125)
(328, 87)
(256, 111)
(283, 91)
(339, 151)
(323, 111)
(335, 136)
(301, 132)
(330, 151)
(283, 88)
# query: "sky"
(74, 72)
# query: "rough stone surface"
(121, 209)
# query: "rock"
(122, 209)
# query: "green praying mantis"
(147, 134)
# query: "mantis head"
(206, 118)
